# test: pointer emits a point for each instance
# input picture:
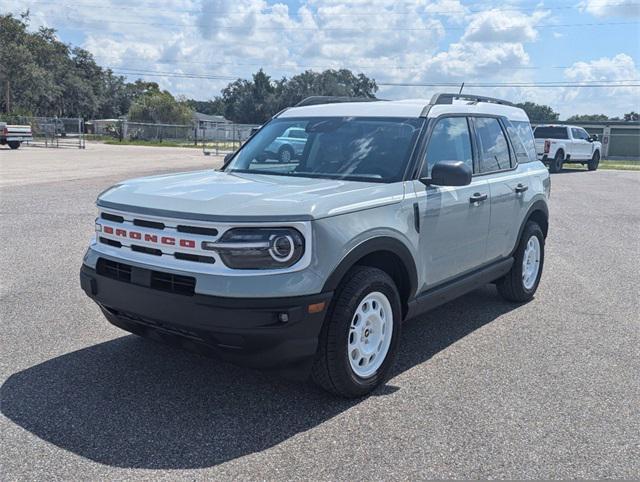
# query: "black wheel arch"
(387, 253)
(539, 213)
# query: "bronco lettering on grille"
(150, 238)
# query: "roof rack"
(330, 99)
(448, 99)
(443, 98)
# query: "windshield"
(353, 148)
(550, 133)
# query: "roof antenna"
(461, 87)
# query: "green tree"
(632, 116)
(539, 112)
(587, 118)
(160, 107)
(256, 101)
(210, 107)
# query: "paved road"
(483, 388)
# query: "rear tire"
(14, 144)
(556, 163)
(521, 283)
(359, 341)
(592, 165)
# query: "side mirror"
(449, 173)
(594, 137)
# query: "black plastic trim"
(382, 243)
(453, 289)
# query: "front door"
(581, 147)
(454, 220)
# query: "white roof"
(403, 108)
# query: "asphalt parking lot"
(482, 388)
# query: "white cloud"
(231, 39)
(504, 26)
(616, 8)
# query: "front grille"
(197, 230)
(173, 283)
(112, 217)
(148, 224)
(195, 258)
(114, 270)
(111, 242)
(157, 280)
(144, 249)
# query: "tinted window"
(551, 133)
(450, 141)
(526, 136)
(492, 145)
(516, 141)
(353, 148)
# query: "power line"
(364, 14)
(359, 29)
(586, 83)
(326, 67)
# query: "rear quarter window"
(522, 139)
(550, 133)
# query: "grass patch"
(116, 142)
(609, 165)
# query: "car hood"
(225, 196)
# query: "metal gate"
(52, 131)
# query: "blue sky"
(177, 42)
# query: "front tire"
(359, 341)
(285, 154)
(594, 162)
(14, 144)
(521, 283)
(556, 164)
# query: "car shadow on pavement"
(134, 403)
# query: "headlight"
(259, 248)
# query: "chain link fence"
(52, 131)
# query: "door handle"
(521, 188)
(477, 197)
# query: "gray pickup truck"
(312, 266)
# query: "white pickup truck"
(560, 144)
(14, 135)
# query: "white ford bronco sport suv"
(311, 266)
(559, 144)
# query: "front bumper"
(248, 331)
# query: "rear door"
(508, 182)
(454, 220)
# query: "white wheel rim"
(285, 156)
(531, 262)
(370, 334)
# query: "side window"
(584, 134)
(526, 136)
(576, 133)
(492, 145)
(450, 141)
(517, 143)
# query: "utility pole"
(8, 98)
